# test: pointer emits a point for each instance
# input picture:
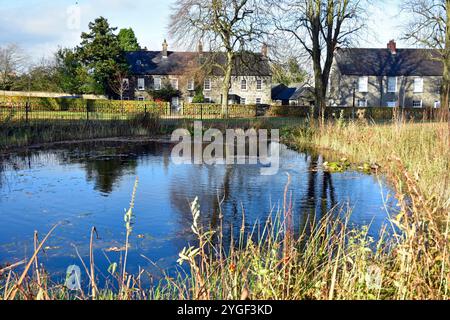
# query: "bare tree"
(12, 63)
(319, 27)
(430, 27)
(229, 26)
(120, 84)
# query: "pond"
(86, 185)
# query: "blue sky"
(40, 26)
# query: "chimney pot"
(392, 46)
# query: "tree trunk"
(226, 84)
(445, 91)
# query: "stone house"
(386, 77)
(193, 72)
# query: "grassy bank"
(328, 260)
(21, 134)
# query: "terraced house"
(192, 72)
(386, 77)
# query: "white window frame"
(207, 84)
(141, 84)
(190, 99)
(157, 85)
(420, 101)
(141, 98)
(362, 105)
(243, 101)
(259, 84)
(191, 85)
(418, 85)
(174, 83)
(258, 101)
(207, 99)
(363, 84)
(389, 89)
(437, 104)
(244, 85)
(392, 104)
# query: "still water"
(81, 186)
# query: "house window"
(258, 84)
(207, 99)
(141, 84)
(392, 104)
(244, 85)
(258, 100)
(417, 103)
(392, 84)
(190, 99)
(437, 104)
(141, 98)
(363, 84)
(191, 85)
(207, 84)
(174, 83)
(125, 82)
(243, 100)
(362, 103)
(418, 85)
(157, 84)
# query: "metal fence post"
(27, 107)
(201, 112)
(87, 110)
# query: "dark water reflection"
(86, 185)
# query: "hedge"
(375, 113)
(80, 105)
(206, 109)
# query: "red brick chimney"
(392, 46)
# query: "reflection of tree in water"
(314, 206)
(106, 172)
(114, 161)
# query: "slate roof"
(152, 63)
(381, 62)
(296, 92)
